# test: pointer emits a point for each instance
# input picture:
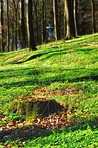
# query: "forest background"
(27, 23)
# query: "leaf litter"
(49, 121)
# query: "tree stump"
(34, 109)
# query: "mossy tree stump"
(33, 109)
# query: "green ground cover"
(70, 65)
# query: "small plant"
(15, 117)
(2, 122)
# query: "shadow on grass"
(57, 52)
(36, 76)
(24, 133)
(46, 81)
(86, 50)
(25, 72)
(49, 54)
(31, 132)
(95, 77)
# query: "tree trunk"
(71, 20)
(27, 25)
(20, 25)
(66, 9)
(71, 17)
(14, 35)
(14, 28)
(93, 16)
(32, 46)
(0, 29)
(16, 16)
(55, 10)
(23, 24)
(44, 21)
(2, 25)
(78, 16)
(75, 15)
(8, 26)
(37, 22)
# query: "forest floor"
(66, 71)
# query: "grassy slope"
(62, 64)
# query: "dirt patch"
(15, 60)
(92, 45)
(18, 59)
(43, 92)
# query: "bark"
(56, 27)
(34, 109)
(44, 21)
(66, 12)
(32, 46)
(27, 25)
(78, 16)
(20, 25)
(23, 24)
(64, 21)
(71, 18)
(93, 16)
(13, 35)
(1, 27)
(8, 35)
(75, 15)
(0, 30)
(37, 21)
(16, 25)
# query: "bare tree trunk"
(78, 16)
(55, 10)
(93, 16)
(2, 25)
(75, 15)
(20, 25)
(64, 21)
(7, 26)
(14, 35)
(66, 9)
(16, 15)
(36, 13)
(23, 24)
(44, 21)
(71, 18)
(27, 26)
(32, 46)
(14, 41)
(0, 29)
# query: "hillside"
(68, 72)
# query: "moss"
(21, 108)
(18, 107)
(13, 106)
(33, 109)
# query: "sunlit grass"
(62, 64)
